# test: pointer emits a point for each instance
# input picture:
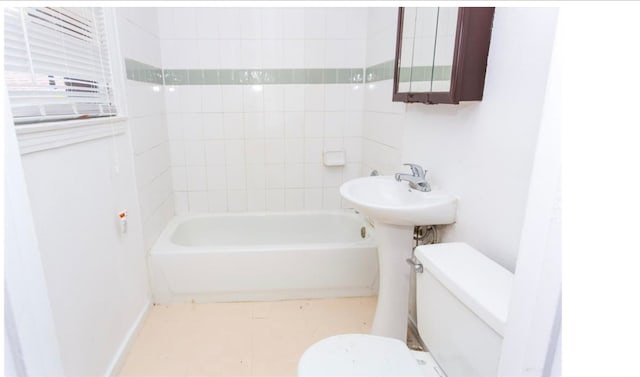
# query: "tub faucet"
(416, 179)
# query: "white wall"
(535, 309)
(255, 148)
(481, 152)
(601, 184)
(96, 277)
(30, 341)
(383, 119)
(138, 32)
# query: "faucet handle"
(417, 170)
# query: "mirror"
(428, 39)
(438, 47)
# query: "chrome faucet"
(416, 179)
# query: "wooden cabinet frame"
(473, 35)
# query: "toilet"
(462, 303)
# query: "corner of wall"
(119, 358)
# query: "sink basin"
(396, 209)
(388, 201)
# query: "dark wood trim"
(473, 36)
(398, 97)
(457, 70)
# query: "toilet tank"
(462, 304)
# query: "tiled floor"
(240, 339)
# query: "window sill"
(43, 136)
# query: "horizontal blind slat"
(15, 54)
(42, 58)
(56, 22)
(37, 33)
(36, 95)
(27, 80)
(69, 52)
(69, 60)
(45, 65)
(51, 98)
(56, 49)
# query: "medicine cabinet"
(441, 54)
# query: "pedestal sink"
(395, 209)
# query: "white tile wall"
(293, 52)
(149, 136)
(263, 37)
(237, 148)
(382, 129)
(198, 202)
(255, 148)
(381, 34)
(294, 98)
(139, 31)
(180, 54)
(315, 23)
(274, 125)
(314, 53)
(237, 200)
(181, 202)
(232, 53)
(294, 199)
(294, 23)
(272, 23)
(207, 23)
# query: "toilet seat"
(358, 355)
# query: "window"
(57, 64)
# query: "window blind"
(57, 64)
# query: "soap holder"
(333, 158)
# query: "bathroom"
(193, 136)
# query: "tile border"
(380, 72)
(425, 73)
(263, 76)
(142, 72)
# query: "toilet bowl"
(462, 303)
(365, 355)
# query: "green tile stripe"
(379, 72)
(384, 71)
(263, 76)
(142, 72)
(425, 73)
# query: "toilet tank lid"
(480, 283)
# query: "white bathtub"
(263, 256)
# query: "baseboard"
(163, 298)
(118, 359)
